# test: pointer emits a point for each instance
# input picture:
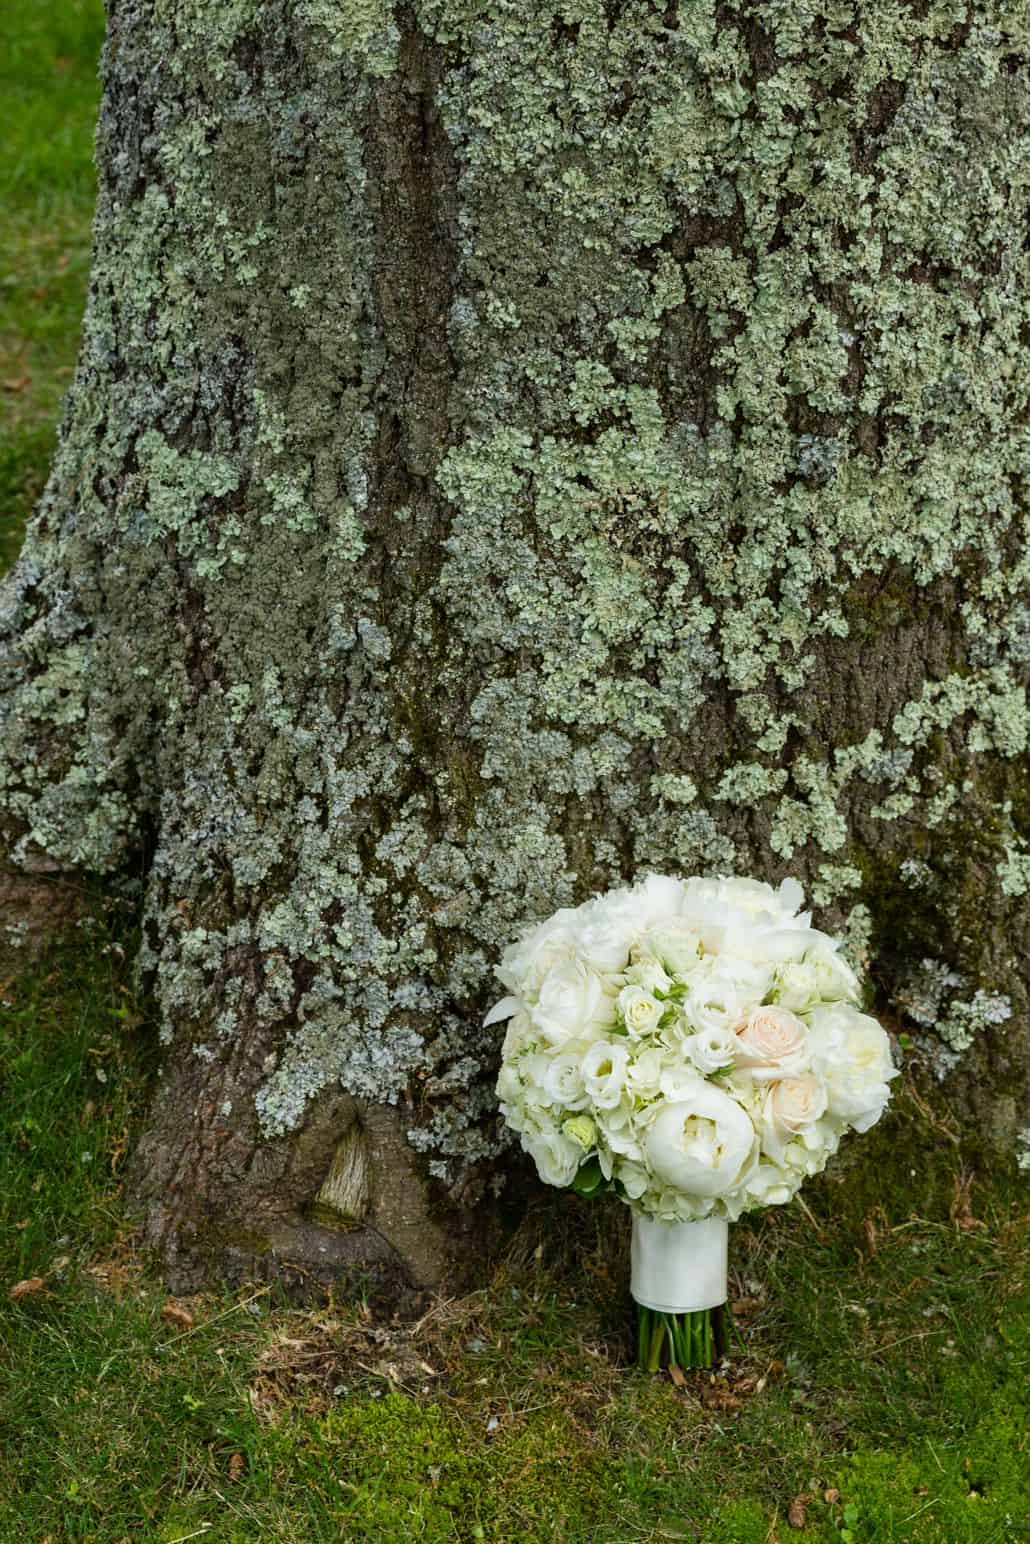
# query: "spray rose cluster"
(698, 1038)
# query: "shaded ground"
(881, 1394)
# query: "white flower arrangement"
(694, 1045)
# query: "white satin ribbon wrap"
(679, 1267)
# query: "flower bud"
(581, 1130)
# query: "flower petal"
(505, 1009)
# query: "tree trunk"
(514, 447)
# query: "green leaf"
(589, 1180)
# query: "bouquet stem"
(684, 1340)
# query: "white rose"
(835, 980)
(711, 1049)
(702, 1145)
(557, 1158)
(718, 999)
(563, 1080)
(676, 945)
(796, 986)
(769, 1185)
(640, 1011)
(571, 1000)
(791, 1108)
(772, 1043)
(851, 1053)
(647, 973)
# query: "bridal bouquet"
(696, 1047)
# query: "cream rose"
(640, 1011)
(790, 1108)
(772, 1043)
(702, 1144)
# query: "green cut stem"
(684, 1340)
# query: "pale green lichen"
(1014, 873)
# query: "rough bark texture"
(515, 446)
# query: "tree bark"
(512, 448)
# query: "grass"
(49, 90)
(882, 1395)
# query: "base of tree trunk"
(340, 1200)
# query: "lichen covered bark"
(516, 445)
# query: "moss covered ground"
(881, 1392)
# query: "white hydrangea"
(698, 1039)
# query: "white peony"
(525, 964)
(851, 1053)
(701, 1144)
